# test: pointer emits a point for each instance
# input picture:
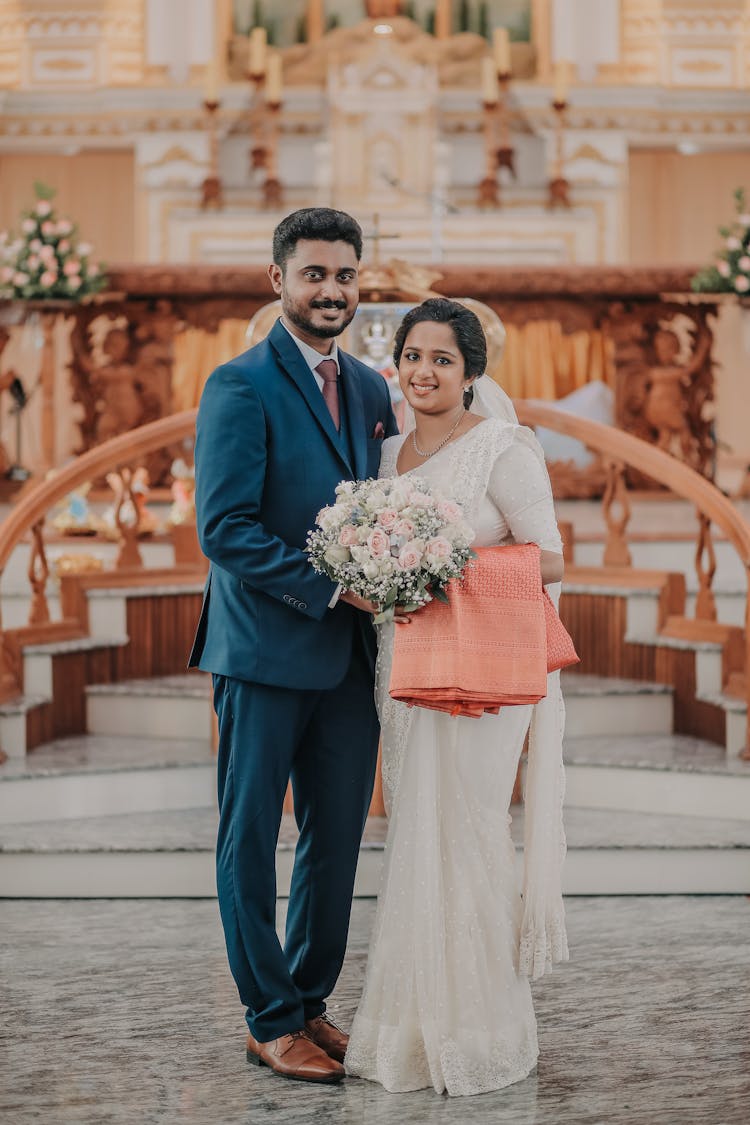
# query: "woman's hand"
(553, 567)
(367, 606)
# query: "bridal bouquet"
(392, 541)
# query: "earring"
(468, 397)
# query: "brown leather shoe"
(295, 1056)
(332, 1039)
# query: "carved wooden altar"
(657, 345)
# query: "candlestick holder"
(212, 194)
(488, 191)
(258, 147)
(558, 188)
(273, 191)
(505, 153)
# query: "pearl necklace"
(446, 439)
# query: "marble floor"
(124, 1012)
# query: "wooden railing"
(618, 450)
(30, 514)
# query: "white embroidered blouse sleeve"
(519, 487)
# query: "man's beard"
(297, 315)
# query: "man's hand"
(366, 606)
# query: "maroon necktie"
(329, 373)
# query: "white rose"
(376, 500)
(336, 554)
(733, 243)
(329, 519)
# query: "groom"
(292, 656)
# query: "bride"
(446, 1000)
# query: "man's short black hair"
(314, 224)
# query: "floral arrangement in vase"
(730, 272)
(46, 260)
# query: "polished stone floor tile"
(124, 1012)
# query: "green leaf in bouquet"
(385, 614)
(439, 593)
(391, 597)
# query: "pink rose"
(410, 556)
(63, 246)
(349, 536)
(20, 278)
(64, 226)
(404, 529)
(48, 279)
(6, 273)
(49, 228)
(742, 283)
(43, 207)
(449, 511)
(439, 547)
(733, 243)
(93, 271)
(72, 267)
(32, 261)
(744, 263)
(35, 245)
(387, 518)
(379, 543)
(723, 268)
(28, 226)
(46, 251)
(74, 282)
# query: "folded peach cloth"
(492, 645)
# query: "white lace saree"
(446, 1001)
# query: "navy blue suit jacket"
(267, 459)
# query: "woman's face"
(431, 372)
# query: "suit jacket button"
(303, 605)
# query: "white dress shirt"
(312, 358)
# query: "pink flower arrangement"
(47, 260)
(393, 541)
(730, 271)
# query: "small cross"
(376, 237)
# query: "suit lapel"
(355, 414)
(293, 363)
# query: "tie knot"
(328, 370)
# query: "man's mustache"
(328, 304)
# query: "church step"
(669, 554)
(95, 776)
(157, 552)
(669, 774)
(601, 705)
(159, 707)
(173, 706)
(171, 854)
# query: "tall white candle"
(273, 79)
(501, 49)
(258, 41)
(211, 81)
(561, 81)
(443, 19)
(490, 93)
